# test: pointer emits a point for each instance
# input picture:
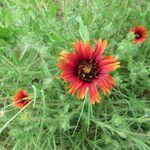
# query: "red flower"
(87, 68)
(21, 99)
(140, 34)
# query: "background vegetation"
(32, 34)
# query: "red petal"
(20, 94)
(81, 91)
(74, 86)
(68, 76)
(107, 60)
(83, 50)
(110, 67)
(106, 82)
(99, 49)
(94, 95)
(19, 100)
(108, 63)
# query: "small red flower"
(87, 68)
(140, 34)
(21, 99)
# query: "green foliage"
(32, 34)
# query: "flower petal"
(81, 91)
(83, 50)
(106, 82)
(108, 63)
(74, 86)
(68, 76)
(94, 95)
(66, 61)
(20, 99)
(99, 49)
(63, 55)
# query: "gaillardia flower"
(140, 34)
(86, 69)
(21, 99)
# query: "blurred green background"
(32, 34)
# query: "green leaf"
(83, 30)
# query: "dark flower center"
(87, 70)
(138, 35)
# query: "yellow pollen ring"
(87, 69)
